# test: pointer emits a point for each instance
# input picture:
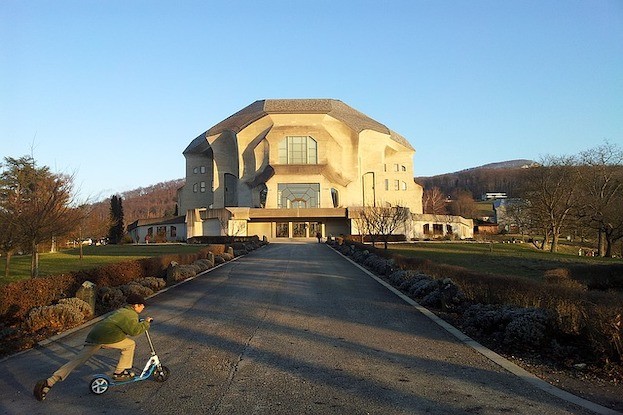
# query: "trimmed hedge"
(18, 298)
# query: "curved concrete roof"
(332, 107)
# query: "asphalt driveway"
(292, 328)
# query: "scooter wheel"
(161, 374)
(99, 385)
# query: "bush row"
(18, 298)
(37, 308)
(516, 313)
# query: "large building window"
(298, 195)
(298, 150)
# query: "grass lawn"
(521, 260)
(93, 256)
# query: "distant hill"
(155, 201)
(504, 176)
(510, 164)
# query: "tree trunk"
(80, 234)
(34, 261)
(608, 242)
(608, 253)
(554, 247)
(600, 243)
(6, 265)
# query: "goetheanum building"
(288, 168)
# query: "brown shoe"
(41, 389)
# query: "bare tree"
(434, 201)
(463, 204)
(361, 222)
(37, 202)
(516, 215)
(552, 195)
(601, 182)
(231, 227)
(381, 221)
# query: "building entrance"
(297, 229)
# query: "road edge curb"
(488, 353)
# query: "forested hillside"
(496, 177)
(156, 201)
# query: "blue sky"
(113, 91)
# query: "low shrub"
(528, 329)
(179, 273)
(513, 311)
(18, 298)
(153, 283)
(58, 317)
(561, 277)
(79, 305)
(203, 264)
(218, 259)
(135, 288)
(112, 275)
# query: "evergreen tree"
(36, 205)
(116, 230)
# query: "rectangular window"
(386, 184)
(173, 232)
(396, 167)
(161, 230)
(404, 185)
(298, 150)
(396, 184)
(202, 169)
(202, 187)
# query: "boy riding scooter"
(110, 333)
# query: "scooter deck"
(123, 382)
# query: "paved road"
(288, 329)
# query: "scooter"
(160, 373)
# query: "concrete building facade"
(291, 168)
